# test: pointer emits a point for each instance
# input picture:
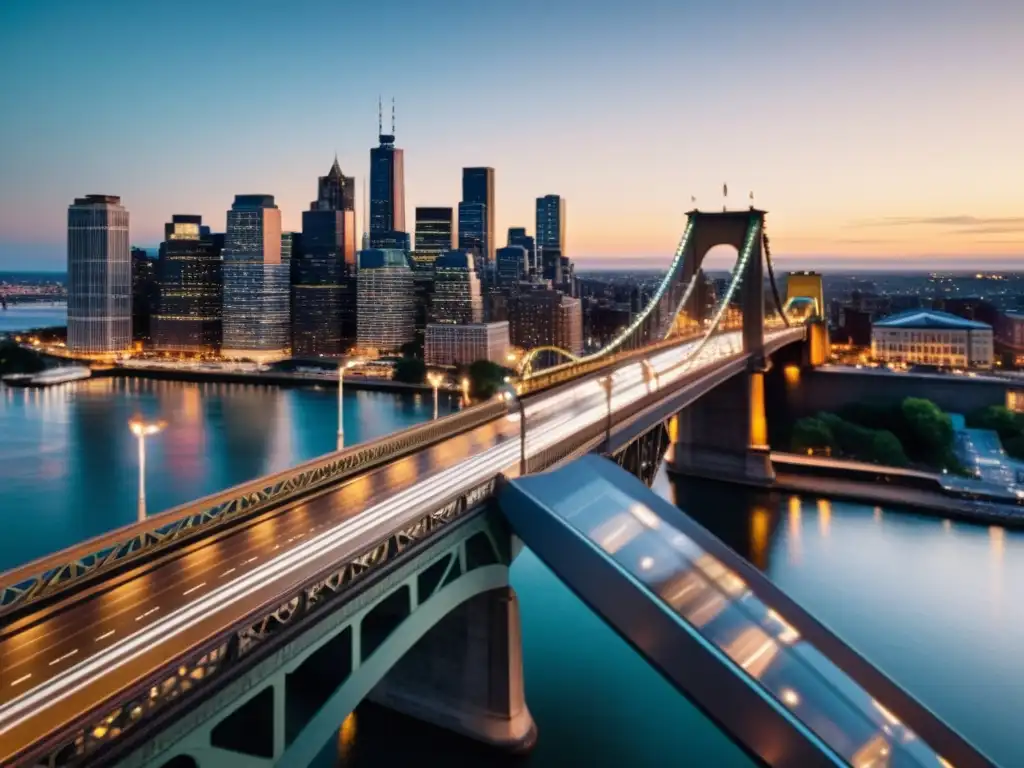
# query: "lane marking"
(228, 572)
(67, 655)
(147, 613)
(193, 589)
(21, 679)
(105, 635)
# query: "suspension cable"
(771, 276)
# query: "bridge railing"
(85, 563)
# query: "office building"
(478, 189)
(145, 294)
(464, 344)
(546, 318)
(923, 337)
(434, 230)
(457, 296)
(472, 235)
(323, 272)
(188, 320)
(511, 265)
(99, 277)
(391, 241)
(387, 187)
(256, 316)
(518, 236)
(386, 310)
(551, 237)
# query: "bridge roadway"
(64, 663)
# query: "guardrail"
(72, 568)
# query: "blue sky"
(870, 131)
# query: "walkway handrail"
(72, 567)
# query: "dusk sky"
(877, 133)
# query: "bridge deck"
(773, 678)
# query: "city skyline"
(868, 133)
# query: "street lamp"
(606, 383)
(465, 389)
(435, 380)
(143, 429)
(341, 392)
(510, 394)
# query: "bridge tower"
(725, 432)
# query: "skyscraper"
(188, 317)
(324, 271)
(99, 276)
(387, 185)
(385, 294)
(472, 232)
(145, 294)
(511, 264)
(478, 188)
(434, 230)
(457, 297)
(551, 236)
(518, 236)
(256, 281)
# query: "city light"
(143, 429)
(435, 380)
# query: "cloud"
(960, 224)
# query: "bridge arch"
(272, 716)
(526, 366)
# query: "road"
(62, 663)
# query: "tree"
(412, 349)
(998, 418)
(485, 378)
(886, 449)
(14, 358)
(410, 370)
(929, 433)
(810, 434)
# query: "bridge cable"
(771, 277)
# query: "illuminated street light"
(435, 380)
(143, 429)
(510, 393)
(465, 389)
(341, 392)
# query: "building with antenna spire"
(387, 186)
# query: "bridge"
(243, 628)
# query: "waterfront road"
(59, 665)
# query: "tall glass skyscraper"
(387, 188)
(99, 277)
(457, 297)
(188, 318)
(511, 264)
(472, 232)
(551, 236)
(478, 189)
(386, 309)
(434, 230)
(518, 236)
(324, 272)
(256, 282)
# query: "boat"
(49, 377)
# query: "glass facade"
(478, 188)
(188, 319)
(434, 230)
(518, 236)
(145, 295)
(385, 301)
(99, 277)
(551, 237)
(511, 264)
(457, 296)
(472, 235)
(257, 309)
(387, 188)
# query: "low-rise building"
(928, 337)
(448, 344)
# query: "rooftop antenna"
(380, 117)
(751, 199)
(392, 115)
(725, 196)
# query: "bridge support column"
(466, 675)
(724, 435)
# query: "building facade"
(452, 345)
(188, 320)
(518, 236)
(387, 189)
(924, 337)
(551, 236)
(323, 272)
(257, 296)
(434, 230)
(472, 238)
(457, 296)
(546, 318)
(99, 277)
(511, 265)
(145, 296)
(386, 304)
(478, 190)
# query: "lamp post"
(143, 429)
(341, 392)
(465, 389)
(606, 382)
(510, 394)
(435, 380)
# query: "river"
(21, 317)
(931, 603)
